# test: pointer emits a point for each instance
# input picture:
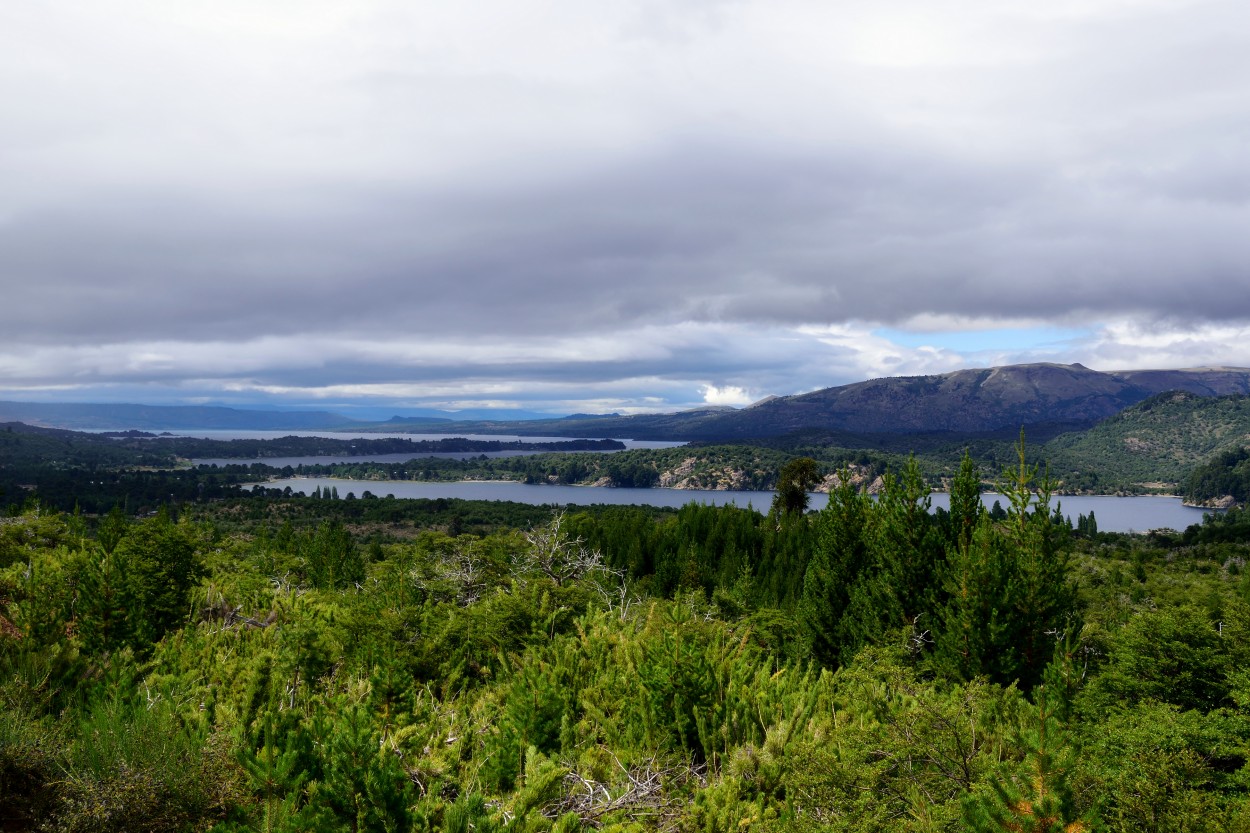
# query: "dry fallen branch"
(640, 796)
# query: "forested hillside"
(1162, 439)
(288, 664)
(1224, 478)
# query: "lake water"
(1139, 513)
(1114, 514)
(350, 435)
(403, 457)
(280, 462)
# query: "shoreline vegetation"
(289, 662)
(1121, 460)
(819, 489)
(689, 475)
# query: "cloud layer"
(612, 206)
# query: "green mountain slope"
(1159, 440)
(1221, 481)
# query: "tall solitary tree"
(796, 478)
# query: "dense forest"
(284, 663)
(1227, 474)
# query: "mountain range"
(964, 401)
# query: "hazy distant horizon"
(372, 413)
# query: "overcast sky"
(614, 205)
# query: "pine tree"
(965, 504)
(1034, 796)
(363, 785)
(112, 529)
(840, 555)
(159, 563)
(100, 610)
(331, 557)
(972, 635)
(1006, 588)
(277, 773)
(1042, 599)
(905, 547)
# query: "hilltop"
(962, 402)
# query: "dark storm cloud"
(701, 233)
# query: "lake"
(356, 435)
(1114, 514)
(403, 457)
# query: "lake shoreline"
(1054, 495)
(1114, 513)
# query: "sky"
(612, 206)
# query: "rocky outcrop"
(860, 477)
(687, 475)
(1221, 502)
(674, 477)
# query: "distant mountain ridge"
(86, 416)
(964, 401)
(102, 417)
(988, 399)
(961, 402)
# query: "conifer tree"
(159, 563)
(1043, 598)
(965, 504)
(100, 610)
(331, 557)
(1034, 796)
(1007, 592)
(904, 547)
(277, 774)
(112, 529)
(973, 637)
(840, 555)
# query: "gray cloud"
(382, 200)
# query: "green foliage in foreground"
(625, 671)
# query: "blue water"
(349, 435)
(1114, 514)
(403, 457)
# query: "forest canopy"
(283, 663)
